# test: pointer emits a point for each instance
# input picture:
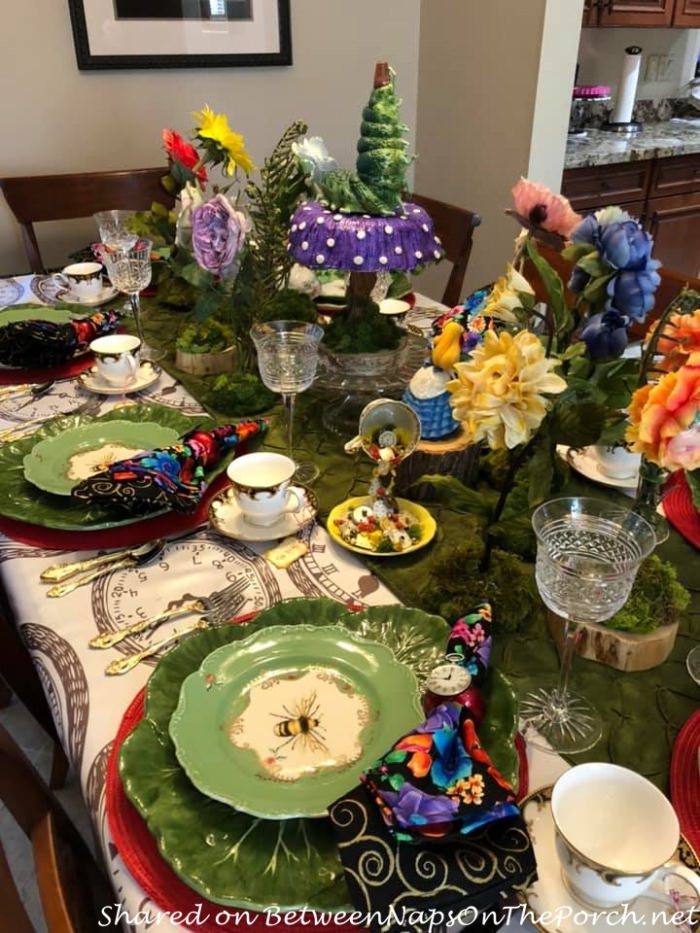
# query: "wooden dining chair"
(36, 198)
(455, 226)
(72, 888)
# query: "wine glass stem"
(567, 656)
(136, 308)
(289, 400)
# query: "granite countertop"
(656, 141)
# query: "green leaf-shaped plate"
(282, 723)
(57, 464)
(22, 501)
(38, 313)
(236, 859)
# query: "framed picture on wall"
(180, 33)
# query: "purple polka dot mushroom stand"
(324, 239)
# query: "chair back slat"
(455, 226)
(38, 198)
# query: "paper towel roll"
(627, 91)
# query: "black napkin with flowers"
(435, 826)
(42, 344)
(168, 477)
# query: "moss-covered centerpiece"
(359, 224)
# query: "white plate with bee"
(282, 723)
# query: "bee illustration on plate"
(301, 724)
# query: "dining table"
(643, 711)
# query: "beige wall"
(487, 71)
(57, 119)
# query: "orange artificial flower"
(680, 338)
(177, 150)
(660, 412)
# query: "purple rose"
(605, 335)
(412, 807)
(632, 292)
(625, 245)
(218, 233)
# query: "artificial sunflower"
(221, 142)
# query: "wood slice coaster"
(453, 456)
(623, 651)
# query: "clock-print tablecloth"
(86, 704)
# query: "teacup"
(260, 484)
(82, 279)
(616, 835)
(117, 358)
(617, 462)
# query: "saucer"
(226, 517)
(147, 374)
(107, 294)
(586, 463)
(554, 908)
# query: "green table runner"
(642, 711)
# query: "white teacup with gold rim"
(616, 836)
(82, 279)
(117, 358)
(260, 485)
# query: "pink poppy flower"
(542, 208)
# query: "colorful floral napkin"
(40, 344)
(434, 825)
(168, 477)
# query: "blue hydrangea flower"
(605, 335)
(632, 292)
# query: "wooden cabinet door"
(674, 223)
(636, 13)
(687, 13)
(590, 12)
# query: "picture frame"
(124, 34)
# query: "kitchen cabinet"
(664, 194)
(657, 13)
(687, 13)
(674, 223)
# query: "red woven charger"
(160, 526)
(685, 780)
(680, 509)
(17, 377)
(139, 851)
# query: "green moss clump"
(457, 582)
(240, 396)
(657, 598)
(366, 331)
(289, 305)
(207, 337)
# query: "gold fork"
(124, 665)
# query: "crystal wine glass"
(114, 229)
(588, 554)
(129, 270)
(287, 360)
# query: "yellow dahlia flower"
(505, 298)
(499, 393)
(213, 128)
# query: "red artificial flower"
(177, 150)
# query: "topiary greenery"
(206, 337)
(657, 599)
(366, 332)
(239, 395)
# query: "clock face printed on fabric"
(184, 572)
(448, 679)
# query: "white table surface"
(87, 705)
